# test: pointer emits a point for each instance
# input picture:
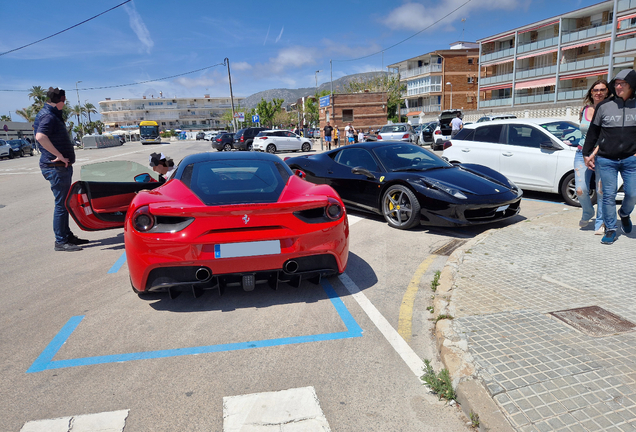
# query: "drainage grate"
(449, 247)
(594, 321)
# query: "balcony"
(572, 94)
(529, 73)
(624, 45)
(496, 79)
(546, 97)
(434, 88)
(582, 64)
(422, 70)
(545, 43)
(424, 108)
(626, 4)
(586, 32)
(497, 55)
(495, 102)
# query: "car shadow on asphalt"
(110, 243)
(262, 296)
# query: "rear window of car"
(393, 128)
(465, 135)
(222, 182)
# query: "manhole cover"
(449, 247)
(594, 321)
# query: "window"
(357, 158)
(488, 133)
(470, 60)
(471, 80)
(465, 135)
(565, 131)
(525, 136)
(347, 115)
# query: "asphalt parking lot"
(77, 341)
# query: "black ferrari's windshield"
(220, 182)
(408, 157)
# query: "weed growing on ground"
(431, 309)
(474, 419)
(443, 316)
(440, 384)
(435, 282)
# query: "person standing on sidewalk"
(328, 129)
(582, 175)
(351, 132)
(336, 136)
(56, 164)
(613, 130)
(456, 125)
(360, 135)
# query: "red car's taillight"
(334, 209)
(447, 144)
(379, 137)
(142, 219)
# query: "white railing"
(574, 35)
(626, 4)
(529, 73)
(584, 64)
(433, 88)
(624, 45)
(546, 97)
(495, 102)
(424, 108)
(422, 70)
(497, 54)
(545, 43)
(572, 94)
(496, 79)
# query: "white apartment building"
(557, 59)
(170, 113)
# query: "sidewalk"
(542, 373)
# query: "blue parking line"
(45, 360)
(120, 262)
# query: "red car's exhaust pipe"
(202, 274)
(291, 266)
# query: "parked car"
(223, 220)
(200, 136)
(21, 147)
(397, 132)
(223, 141)
(244, 137)
(6, 150)
(426, 133)
(272, 141)
(536, 154)
(443, 130)
(409, 185)
(495, 117)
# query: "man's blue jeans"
(60, 179)
(608, 169)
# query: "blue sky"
(270, 44)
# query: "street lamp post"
(451, 84)
(318, 102)
(79, 106)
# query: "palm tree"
(38, 94)
(78, 110)
(27, 113)
(90, 109)
(5, 118)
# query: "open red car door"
(100, 200)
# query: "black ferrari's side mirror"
(300, 174)
(365, 172)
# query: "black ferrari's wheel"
(400, 207)
(227, 147)
(271, 149)
(306, 147)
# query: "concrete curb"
(472, 395)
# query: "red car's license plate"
(247, 249)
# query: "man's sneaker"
(626, 223)
(609, 237)
(67, 247)
(73, 239)
(600, 231)
(583, 223)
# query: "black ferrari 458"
(410, 185)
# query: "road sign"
(324, 101)
(240, 116)
(6, 128)
(256, 119)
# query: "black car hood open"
(465, 181)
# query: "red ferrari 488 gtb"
(224, 219)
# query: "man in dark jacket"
(613, 130)
(56, 164)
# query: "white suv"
(272, 141)
(5, 149)
(536, 154)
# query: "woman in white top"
(360, 136)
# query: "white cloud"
(280, 34)
(416, 15)
(138, 26)
(202, 81)
(241, 66)
(296, 57)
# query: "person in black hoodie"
(613, 130)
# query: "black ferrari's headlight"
(434, 184)
(146, 222)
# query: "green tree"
(5, 118)
(78, 110)
(27, 113)
(266, 110)
(89, 108)
(38, 94)
(284, 119)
